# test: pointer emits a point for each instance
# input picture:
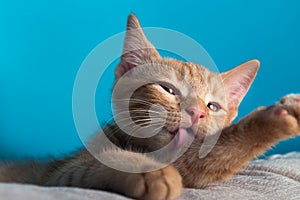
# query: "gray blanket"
(277, 177)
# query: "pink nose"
(195, 114)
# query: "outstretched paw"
(282, 118)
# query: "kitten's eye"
(168, 89)
(214, 106)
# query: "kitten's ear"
(137, 49)
(237, 82)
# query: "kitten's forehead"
(194, 76)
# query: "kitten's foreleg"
(86, 171)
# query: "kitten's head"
(163, 98)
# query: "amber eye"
(215, 107)
(168, 89)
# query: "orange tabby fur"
(237, 144)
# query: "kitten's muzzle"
(195, 114)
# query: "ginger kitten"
(184, 103)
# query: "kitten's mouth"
(183, 135)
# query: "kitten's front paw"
(283, 118)
(157, 185)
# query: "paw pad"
(281, 112)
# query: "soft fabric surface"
(277, 177)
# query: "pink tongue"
(181, 136)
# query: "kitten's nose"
(195, 114)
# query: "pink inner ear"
(237, 88)
(238, 81)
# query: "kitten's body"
(194, 102)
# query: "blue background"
(43, 43)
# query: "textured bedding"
(276, 177)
